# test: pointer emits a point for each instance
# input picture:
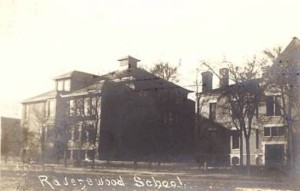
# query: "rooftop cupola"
(128, 62)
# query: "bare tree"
(165, 71)
(30, 144)
(242, 99)
(40, 120)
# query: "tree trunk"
(247, 140)
(290, 136)
(42, 154)
(241, 149)
(93, 159)
(65, 157)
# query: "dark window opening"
(234, 109)
(235, 140)
(273, 105)
(267, 131)
(212, 111)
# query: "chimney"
(224, 77)
(206, 81)
(128, 62)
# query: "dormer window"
(60, 85)
(63, 85)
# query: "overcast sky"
(40, 39)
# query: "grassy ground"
(18, 176)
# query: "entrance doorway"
(274, 154)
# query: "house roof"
(41, 97)
(70, 74)
(94, 88)
(247, 83)
(144, 80)
(128, 57)
(291, 53)
(141, 79)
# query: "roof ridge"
(69, 74)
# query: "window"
(212, 111)
(235, 140)
(51, 108)
(88, 133)
(79, 107)
(267, 131)
(60, 85)
(273, 105)
(87, 106)
(64, 85)
(95, 106)
(274, 131)
(72, 107)
(234, 109)
(67, 85)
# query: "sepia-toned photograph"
(144, 95)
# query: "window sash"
(273, 105)
(274, 131)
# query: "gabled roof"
(291, 53)
(41, 97)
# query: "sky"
(41, 39)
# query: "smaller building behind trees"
(10, 137)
